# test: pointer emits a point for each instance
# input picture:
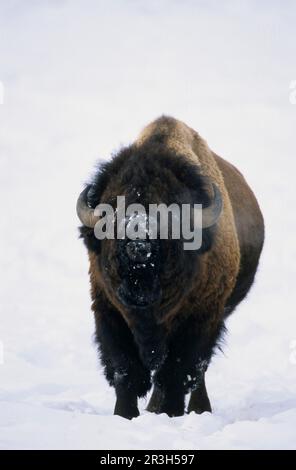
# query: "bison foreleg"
(123, 367)
(126, 401)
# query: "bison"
(160, 309)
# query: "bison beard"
(158, 322)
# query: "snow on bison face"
(146, 273)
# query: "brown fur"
(220, 265)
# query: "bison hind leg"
(199, 401)
(156, 400)
(169, 399)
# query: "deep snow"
(80, 79)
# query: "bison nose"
(139, 251)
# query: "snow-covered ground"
(80, 79)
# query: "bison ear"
(92, 198)
(89, 239)
(86, 216)
(202, 194)
(208, 235)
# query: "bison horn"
(211, 214)
(85, 213)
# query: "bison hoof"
(126, 412)
(199, 405)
